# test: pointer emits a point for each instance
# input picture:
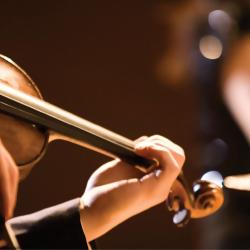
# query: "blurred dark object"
(224, 146)
(238, 182)
(201, 38)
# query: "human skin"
(9, 178)
(117, 191)
(236, 83)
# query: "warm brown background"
(98, 59)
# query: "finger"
(160, 153)
(140, 139)
(168, 143)
(163, 177)
(176, 150)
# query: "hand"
(9, 177)
(117, 191)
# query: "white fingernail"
(157, 172)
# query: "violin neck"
(79, 130)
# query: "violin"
(28, 124)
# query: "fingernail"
(157, 172)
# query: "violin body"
(25, 141)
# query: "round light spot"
(210, 47)
(219, 20)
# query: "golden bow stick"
(238, 182)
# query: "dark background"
(98, 59)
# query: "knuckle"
(183, 158)
(157, 137)
(182, 152)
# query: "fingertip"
(182, 152)
(140, 139)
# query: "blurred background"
(176, 68)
